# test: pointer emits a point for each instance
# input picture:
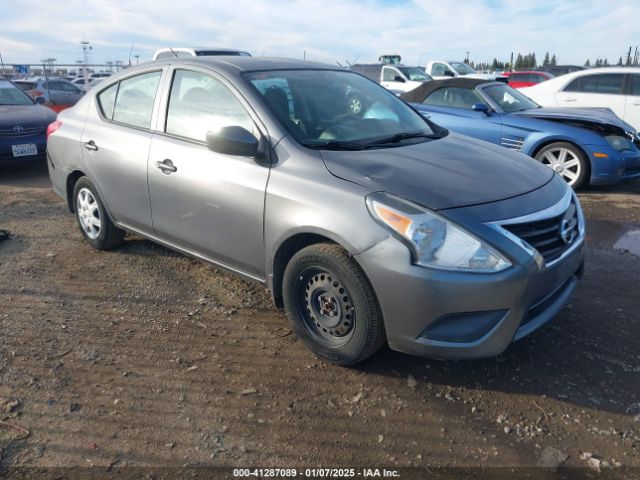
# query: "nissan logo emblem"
(18, 129)
(567, 232)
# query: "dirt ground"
(144, 357)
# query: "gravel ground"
(144, 357)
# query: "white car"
(617, 88)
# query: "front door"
(208, 203)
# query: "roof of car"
(424, 90)
(246, 64)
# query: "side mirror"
(449, 73)
(481, 107)
(398, 78)
(41, 100)
(233, 140)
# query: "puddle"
(629, 242)
(614, 236)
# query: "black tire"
(107, 235)
(583, 169)
(324, 276)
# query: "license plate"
(24, 150)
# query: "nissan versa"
(368, 228)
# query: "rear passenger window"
(107, 100)
(134, 102)
(605, 83)
(199, 103)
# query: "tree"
(605, 63)
(545, 62)
(619, 62)
(587, 64)
(554, 61)
(519, 62)
(533, 63)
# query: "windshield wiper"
(333, 145)
(398, 137)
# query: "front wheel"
(331, 305)
(566, 160)
(96, 226)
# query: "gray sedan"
(368, 227)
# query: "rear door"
(115, 143)
(632, 101)
(206, 202)
(595, 90)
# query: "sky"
(322, 30)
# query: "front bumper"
(438, 313)
(6, 153)
(619, 166)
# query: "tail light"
(53, 127)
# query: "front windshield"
(462, 68)
(415, 74)
(336, 109)
(509, 99)
(12, 95)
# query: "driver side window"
(438, 69)
(199, 103)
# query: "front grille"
(551, 237)
(25, 132)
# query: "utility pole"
(2, 63)
(86, 46)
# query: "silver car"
(54, 91)
(368, 227)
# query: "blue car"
(583, 145)
(23, 126)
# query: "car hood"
(600, 116)
(25, 116)
(455, 171)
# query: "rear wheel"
(96, 226)
(331, 305)
(566, 160)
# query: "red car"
(527, 78)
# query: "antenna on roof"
(130, 52)
(174, 53)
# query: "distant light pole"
(86, 47)
(137, 59)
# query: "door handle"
(91, 145)
(166, 166)
(569, 99)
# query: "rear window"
(26, 85)
(107, 100)
(135, 99)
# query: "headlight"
(619, 142)
(434, 241)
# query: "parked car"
(23, 124)
(393, 76)
(367, 228)
(557, 70)
(581, 145)
(527, 78)
(57, 93)
(441, 70)
(181, 52)
(617, 88)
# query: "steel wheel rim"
(564, 162)
(326, 307)
(88, 213)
